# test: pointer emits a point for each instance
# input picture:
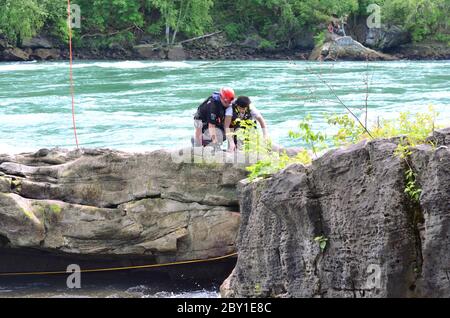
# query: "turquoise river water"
(142, 106)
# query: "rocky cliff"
(103, 202)
(344, 227)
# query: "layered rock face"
(386, 37)
(103, 202)
(344, 227)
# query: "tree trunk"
(168, 34)
(174, 37)
(180, 19)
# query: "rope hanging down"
(72, 93)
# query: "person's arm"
(229, 133)
(198, 137)
(263, 125)
(260, 119)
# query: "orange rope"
(72, 93)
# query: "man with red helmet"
(210, 117)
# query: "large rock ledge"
(104, 202)
(380, 244)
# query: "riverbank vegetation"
(411, 129)
(275, 23)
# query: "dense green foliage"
(423, 18)
(106, 21)
(278, 21)
(274, 22)
(20, 19)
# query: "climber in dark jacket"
(210, 118)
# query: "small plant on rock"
(322, 240)
(316, 141)
(412, 189)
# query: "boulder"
(386, 37)
(107, 178)
(5, 184)
(38, 42)
(14, 55)
(46, 54)
(176, 53)
(18, 223)
(149, 51)
(104, 202)
(166, 229)
(345, 48)
(344, 227)
(4, 44)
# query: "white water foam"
(29, 66)
(32, 66)
(136, 65)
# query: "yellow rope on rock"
(97, 270)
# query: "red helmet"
(227, 94)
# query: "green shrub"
(349, 131)
(413, 128)
(319, 38)
(411, 188)
(322, 240)
(274, 162)
(316, 141)
(267, 45)
(423, 18)
(155, 28)
(443, 37)
(234, 31)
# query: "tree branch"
(200, 37)
(341, 102)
